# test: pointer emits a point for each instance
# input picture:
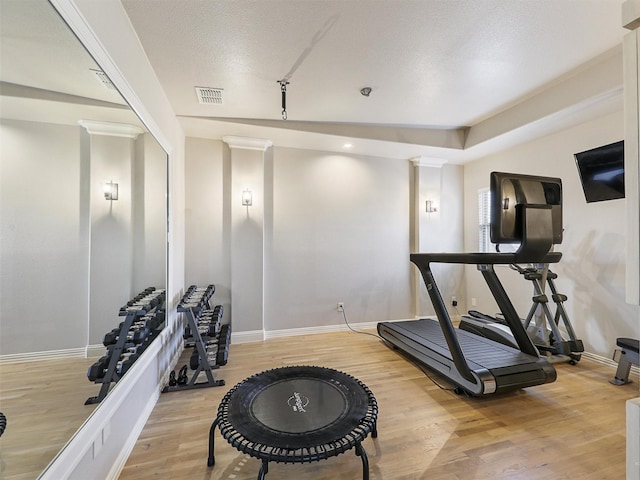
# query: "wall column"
(247, 232)
(631, 59)
(426, 228)
(110, 151)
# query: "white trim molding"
(423, 161)
(247, 143)
(46, 355)
(247, 337)
(111, 129)
(261, 335)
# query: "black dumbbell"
(111, 337)
(217, 350)
(182, 376)
(125, 363)
(97, 370)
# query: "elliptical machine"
(541, 324)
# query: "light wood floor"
(44, 405)
(573, 428)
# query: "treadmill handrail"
(478, 258)
(423, 261)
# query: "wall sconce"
(110, 191)
(431, 206)
(247, 198)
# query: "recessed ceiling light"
(347, 145)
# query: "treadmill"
(525, 209)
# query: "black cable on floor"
(344, 315)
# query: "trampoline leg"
(374, 430)
(211, 461)
(365, 461)
(264, 469)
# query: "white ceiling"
(435, 67)
(452, 79)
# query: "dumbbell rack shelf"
(192, 311)
(131, 312)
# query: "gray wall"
(336, 229)
(207, 247)
(592, 271)
(44, 249)
(339, 234)
(149, 216)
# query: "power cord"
(427, 374)
(344, 315)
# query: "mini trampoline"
(296, 415)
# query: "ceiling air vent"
(209, 96)
(103, 79)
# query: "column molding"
(247, 170)
(247, 143)
(426, 183)
(423, 161)
(631, 67)
(631, 78)
(111, 129)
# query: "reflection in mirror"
(70, 256)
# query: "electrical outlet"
(340, 307)
(474, 303)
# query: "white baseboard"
(247, 337)
(261, 335)
(96, 350)
(46, 355)
(341, 327)
(89, 351)
(635, 370)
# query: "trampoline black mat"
(297, 414)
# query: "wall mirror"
(69, 256)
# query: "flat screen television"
(511, 193)
(602, 172)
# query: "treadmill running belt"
(479, 352)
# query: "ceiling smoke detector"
(103, 79)
(209, 96)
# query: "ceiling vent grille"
(103, 79)
(209, 96)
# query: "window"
(484, 221)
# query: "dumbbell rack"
(194, 301)
(135, 308)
